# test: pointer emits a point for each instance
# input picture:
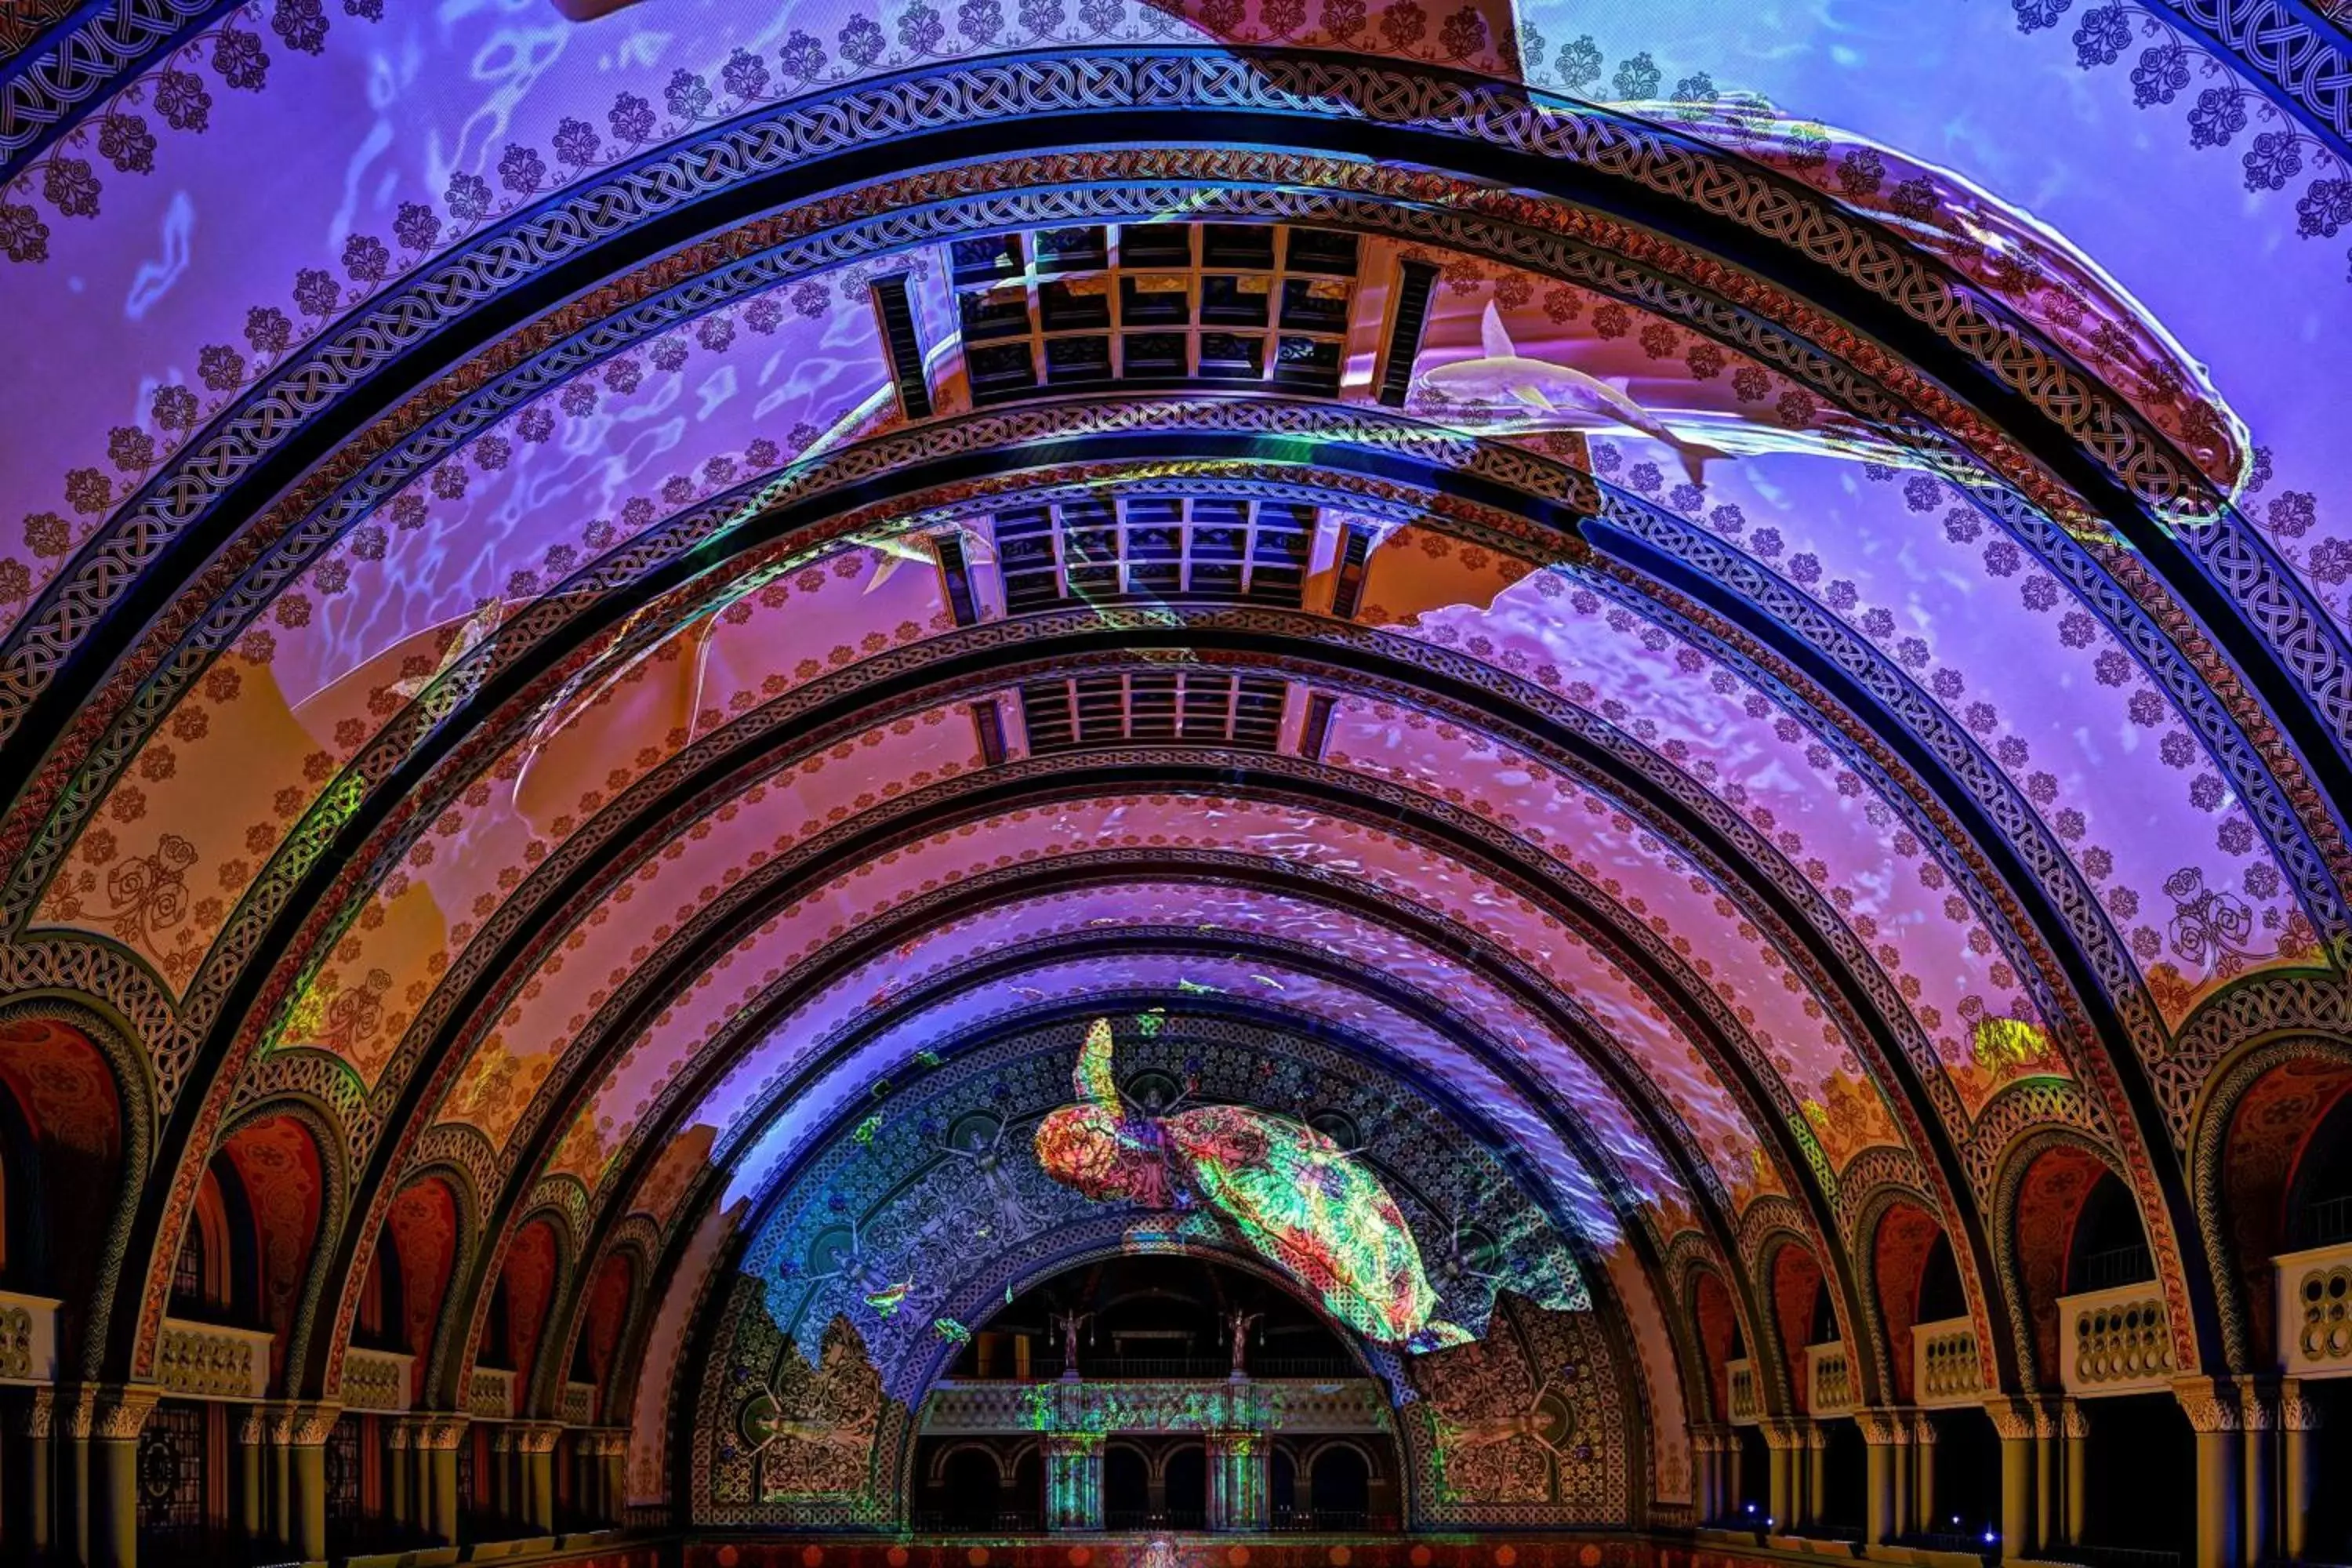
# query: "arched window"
(2109, 1246)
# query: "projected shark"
(1502, 375)
(1296, 1198)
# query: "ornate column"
(435, 1439)
(535, 1480)
(2298, 1419)
(303, 1430)
(2046, 1473)
(250, 1460)
(2013, 1422)
(105, 1422)
(1817, 1473)
(502, 1472)
(399, 1470)
(1707, 1472)
(2074, 1433)
(1783, 1445)
(1240, 1492)
(615, 1467)
(1923, 1471)
(2216, 1416)
(1735, 1470)
(1887, 1437)
(1074, 1480)
(30, 1476)
(2258, 1416)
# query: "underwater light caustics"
(1294, 1195)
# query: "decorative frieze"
(205, 1360)
(1944, 1365)
(377, 1380)
(2115, 1342)
(1351, 1404)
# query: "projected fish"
(1504, 375)
(1292, 1193)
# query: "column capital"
(110, 1412)
(436, 1431)
(2211, 1404)
(1072, 1442)
(1787, 1432)
(535, 1437)
(1884, 1427)
(2295, 1413)
(300, 1424)
(2074, 1421)
(36, 1416)
(1923, 1427)
(2013, 1419)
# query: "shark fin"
(1695, 457)
(1531, 395)
(1493, 337)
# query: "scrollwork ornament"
(2210, 1404)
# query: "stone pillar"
(1923, 1471)
(1706, 1474)
(1240, 1490)
(2216, 1416)
(534, 1447)
(1887, 1437)
(1785, 1454)
(502, 1473)
(1074, 1480)
(2013, 1422)
(30, 1476)
(2046, 1473)
(105, 1423)
(2298, 1418)
(1817, 1473)
(435, 1439)
(399, 1471)
(304, 1430)
(615, 1463)
(250, 1459)
(2074, 1433)
(1735, 1472)
(2258, 1414)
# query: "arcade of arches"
(1260, 783)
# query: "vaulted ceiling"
(1762, 595)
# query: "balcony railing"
(207, 1360)
(1944, 1368)
(377, 1380)
(28, 1338)
(2115, 1342)
(491, 1393)
(1138, 1518)
(2314, 1309)
(1045, 1369)
(1829, 1379)
(1746, 1407)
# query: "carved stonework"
(538, 1437)
(2297, 1413)
(37, 1416)
(2013, 1419)
(2209, 1404)
(437, 1434)
(1884, 1428)
(2073, 1422)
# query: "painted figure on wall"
(1292, 1193)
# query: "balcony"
(491, 1395)
(377, 1381)
(1829, 1380)
(2314, 1311)
(2115, 1342)
(1261, 1405)
(28, 1339)
(1746, 1408)
(1944, 1369)
(207, 1360)
(579, 1403)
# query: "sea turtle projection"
(1292, 1193)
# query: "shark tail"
(1696, 455)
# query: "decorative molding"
(1263, 1405)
